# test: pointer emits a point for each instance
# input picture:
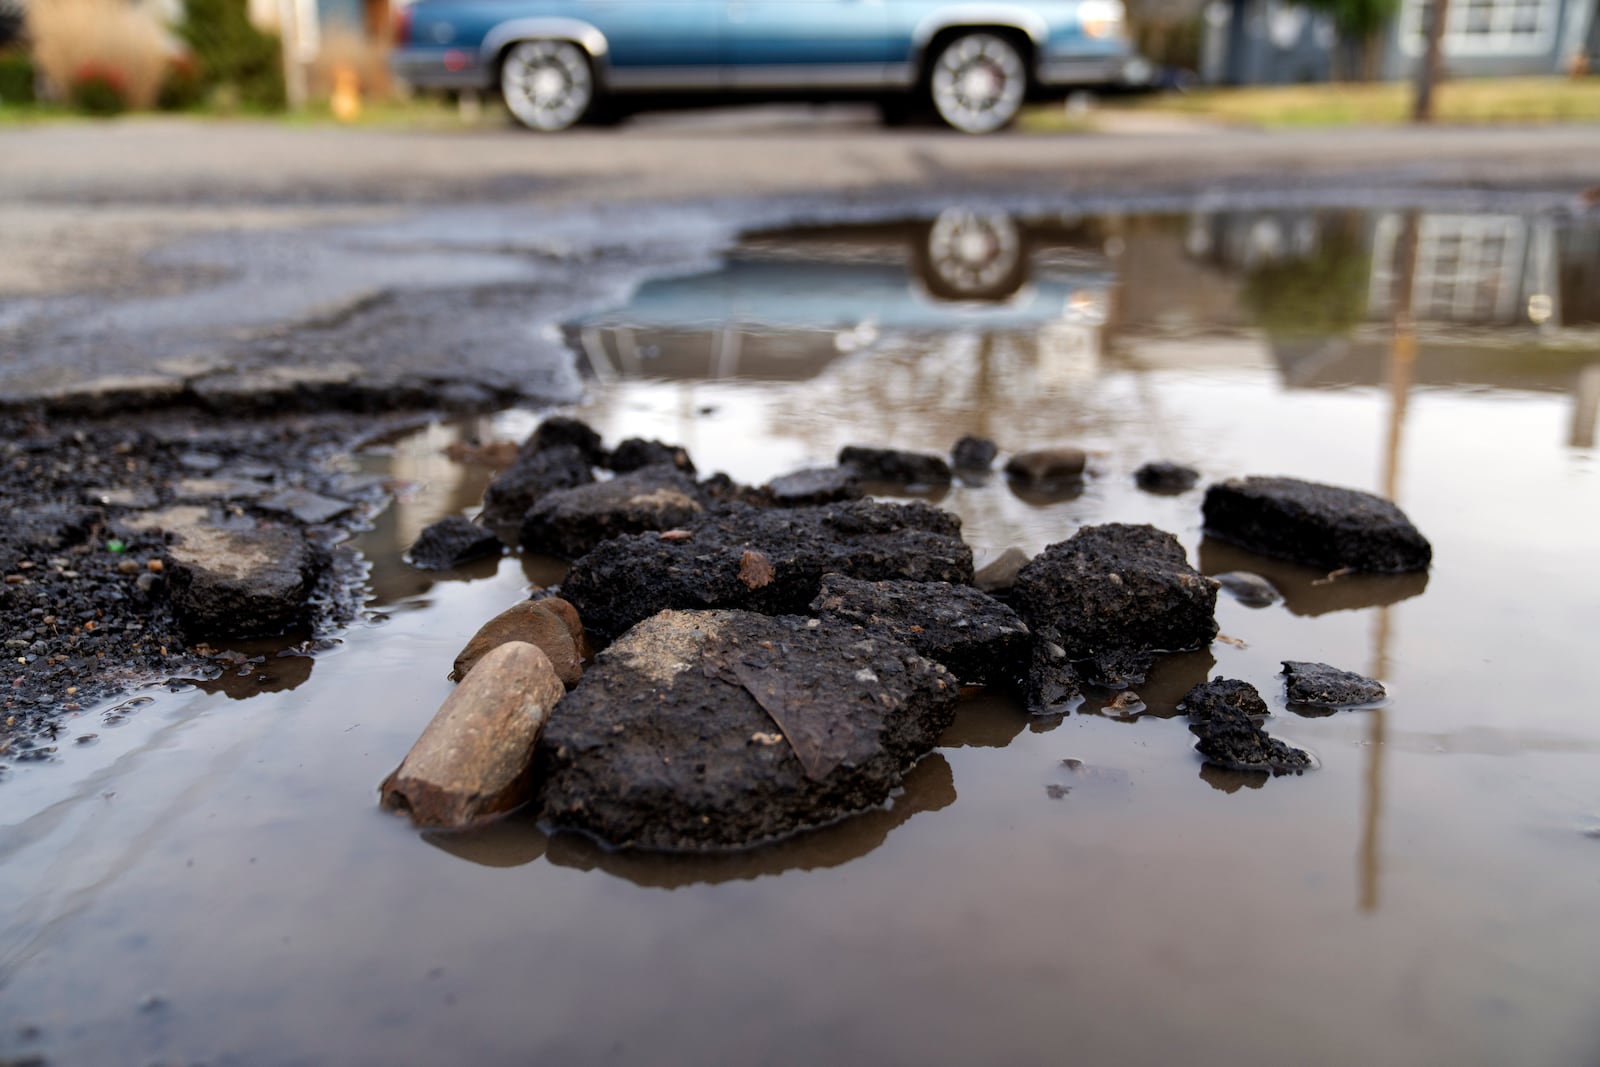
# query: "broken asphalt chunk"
(450, 542)
(707, 730)
(1322, 686)
(978, 638)
(626, 579)
(1316, 525)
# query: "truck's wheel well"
(505, 49)
(1017, 38)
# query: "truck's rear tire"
(547, 85)
(978, 82)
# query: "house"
(1271, 42)
(370, 19)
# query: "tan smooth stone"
(475, 759)
(551, 624)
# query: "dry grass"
(107, 35)
(1467, 101)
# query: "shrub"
(183, 87)
(16, 80)
(97, 90)
(124, 45)
(236, 60)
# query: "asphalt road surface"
(160, 246)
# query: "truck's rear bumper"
(440, 68)
(1093, 70)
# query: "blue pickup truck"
(972, 62)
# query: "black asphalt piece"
(770, 560)
(1116, 587)
(1316, 525)
(973, 454)
(1117, 668)
(1167, 479)
(900, 468)
(569, 522)
(978, 638)
(229, 583)
(722, 729)
(1322, 686)
(564, 431)
(450, 542)
(815, 485)
(535, 474)
(1204, 700)
(636, 453)
(1050, 685)
(1231, 739)
(305, 507)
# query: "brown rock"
(569, 615)
(552, 625)
(1048, 464)
(475, 759)
(1000, 573)
(755, 569)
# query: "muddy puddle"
(208, 878)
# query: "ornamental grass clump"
(104, 55)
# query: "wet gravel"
(84, 610)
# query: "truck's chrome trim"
(1098, 70)
(821, 75)
(577, 31)
(645, 79)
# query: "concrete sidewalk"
(188, 162)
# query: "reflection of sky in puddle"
(1075, 883)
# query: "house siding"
(1284, 43)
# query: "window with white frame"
(1469, 269)
(1484, 27)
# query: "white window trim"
(1457, 296)
(1498, 41)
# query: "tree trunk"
(1428, 70)
(1369, 57)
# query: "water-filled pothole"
(1079, 879)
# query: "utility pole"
(299, 40)
(1432, 60)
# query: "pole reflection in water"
(1402, 361)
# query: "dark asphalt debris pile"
(781, 655)
(721, 715)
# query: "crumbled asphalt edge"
(77, 630)
(275, 391)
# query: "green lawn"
(1477, 101)
(1480, 101)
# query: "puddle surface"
(210, 879)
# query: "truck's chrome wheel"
(978, 83)
(547, 85)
